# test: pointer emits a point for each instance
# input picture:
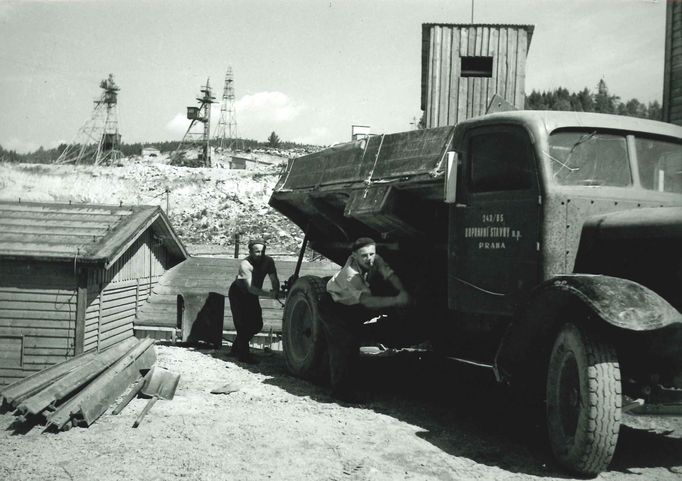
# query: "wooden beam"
(81, 306)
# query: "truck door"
(494, 225)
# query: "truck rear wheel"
(583, 401)
(305, 348)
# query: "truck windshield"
(589, 158)
(659, 164)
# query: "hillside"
(207, 206)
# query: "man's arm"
(246, 274)
(274, 281)
(402, 299)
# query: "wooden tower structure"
(465, 65)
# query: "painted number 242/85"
(488, 218)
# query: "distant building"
(672, 74)
(148, 152)
(72, 278)
(358, 132)
(465, 65)
(238, 162)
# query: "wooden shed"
(73, 276)
(465, 65)
(672, 74)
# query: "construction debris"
(78, 391)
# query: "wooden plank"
(117, 326)
(73, 380)
(494, 39)
(18, 324)
(36, 332)
(23, 314)
(444, 76)
(463, 83)
(117, 338)
(81, 305)
(26, 208)
(503, 65)
(483, 81)
(43, 223)
(11, 350)
(434, 74)
(46, 342)
(522, 53)
(40, 295)
(476, 81)
(128, 300)
(455, 73)
(98, 396)
(117, 313)
(512, 51)
(471, 50)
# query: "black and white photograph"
(340, 240)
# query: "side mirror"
(451, 177)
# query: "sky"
(306, 69)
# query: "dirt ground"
(424, 419)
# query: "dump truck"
(543, 246)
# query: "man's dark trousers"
(247, 316)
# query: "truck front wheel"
(583, 401)
(305, 348)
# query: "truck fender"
(598, 299)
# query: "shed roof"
(91, 233)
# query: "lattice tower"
(226, 130)
(98, 140)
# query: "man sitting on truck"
(360, 291)
(244, 292)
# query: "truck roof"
(549, 120)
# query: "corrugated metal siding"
(37, 316)
(672, 82)
(447, 97)
(115, 295)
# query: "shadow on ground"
(465, 413)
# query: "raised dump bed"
(392, 184)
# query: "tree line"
(601, 101)
(45, 156)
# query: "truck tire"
(583, 401)
(305, 347)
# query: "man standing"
(244, 293)
(364, 287)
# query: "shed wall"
(447, 97)
(672, 79)
(37, 316)
(115, 295)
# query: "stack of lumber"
(78, 391)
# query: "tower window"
(476, 66)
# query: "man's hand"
(274, 293)
(403, 299)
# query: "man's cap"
(253, 242)
(363, 242)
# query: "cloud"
(316, 136)
(178, 125)
(268, 107)
(19, 145)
